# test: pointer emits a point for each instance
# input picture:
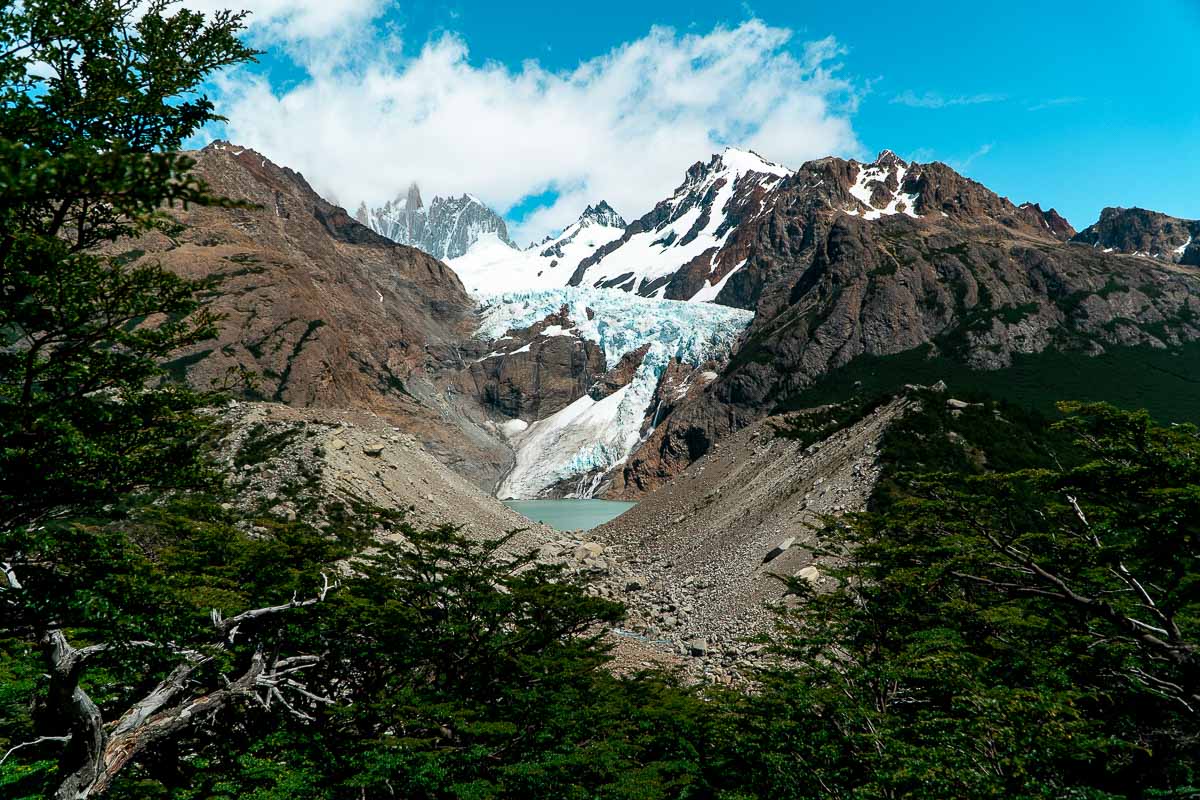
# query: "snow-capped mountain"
(584, 441)
(445, 230)
(687, 246)
(492, 266)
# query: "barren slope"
(692, 555)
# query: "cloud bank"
(622, 126)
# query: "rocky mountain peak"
(674, 252)
(1140, 232)
(602, 214)
(884, 188)
(888, 158)
(1054, 222)
(445, 229)
(413, 199)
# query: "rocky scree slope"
(326, 312)
(444, 230)
(852, 260)
(286, 460)
(696, 559)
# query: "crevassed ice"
(589, 436)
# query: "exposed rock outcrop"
(534, 372)
(323, 310)
(851, 260)
(1137, 231)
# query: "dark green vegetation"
(1017, 617)
(1020, 634)
(1165, 382)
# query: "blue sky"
(1074, 105)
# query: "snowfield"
(492, 266)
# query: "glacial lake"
(570, 515)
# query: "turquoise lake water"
(570, 515)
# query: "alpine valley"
(634, 360)
(835, 479)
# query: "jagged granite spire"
(602, 214)
(446, 229)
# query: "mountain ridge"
(445, 229)
(854, 260)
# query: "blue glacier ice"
(589, 437)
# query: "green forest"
(1019, 618)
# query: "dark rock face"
(684, 423)
(446, 229)
(620, 375)
(1145, 233)
(837, 268)
(602, 214)
(323, 309)
(530, 375)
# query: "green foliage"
(1021, 634)
(261, 443)
(816, 424)
(146, 585)
(987, 436)
(95, 100)
(1162, 381)
(455, 672)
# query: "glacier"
(591, 437)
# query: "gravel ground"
(692, 559)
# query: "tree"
(460, 671)
(96, 99)
(94, 104)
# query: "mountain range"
(445, 229)
(849, 278)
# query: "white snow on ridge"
(589, 436)
(1179, 251)
(659, 253)
(490, 266)
(708, 293)
(900, 202)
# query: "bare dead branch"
(36, 741)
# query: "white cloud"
(1055, 103)
(935, 100)
(297, 21)
(963, 164)
(622, 126)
